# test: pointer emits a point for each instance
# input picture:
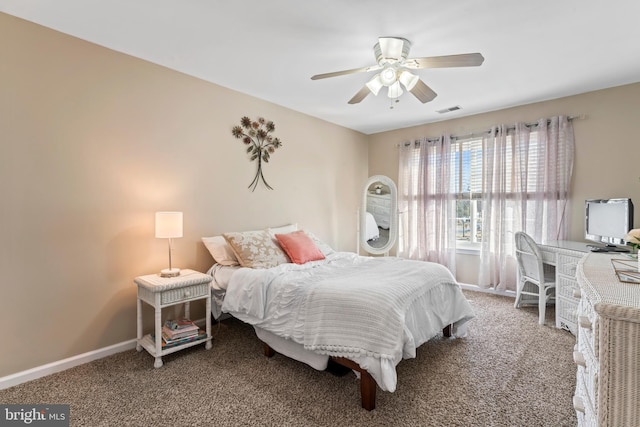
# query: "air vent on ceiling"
(450, 109)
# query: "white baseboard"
(62, 365)
(477, 288)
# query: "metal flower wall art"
(256, 135)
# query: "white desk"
(564, 255)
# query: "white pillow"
(220, 250)
(285, 229)
(324, 248)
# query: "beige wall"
(93, 143)
(607, 149)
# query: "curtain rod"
(472, 134)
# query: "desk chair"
(533, 281)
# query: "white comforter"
(374, 311)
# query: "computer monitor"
(608, 220)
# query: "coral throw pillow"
(299, 247)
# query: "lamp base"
(170, 272)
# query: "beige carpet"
(509, 371)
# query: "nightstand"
(160, 292)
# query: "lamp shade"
(394, 91)
(408, 80)
(168, 224)
(375, 84)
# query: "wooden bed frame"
(368, 386)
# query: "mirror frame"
(393, 221)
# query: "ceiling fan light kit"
(394, 91)
(388, 75)
(408, 79)
(375, 84)
(391, 55)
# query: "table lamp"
(169, 226)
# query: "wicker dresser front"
(607, 353)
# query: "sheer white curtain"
(496, 148)
(526, 176)
(427, 202)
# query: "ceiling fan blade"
(362, 94)
(423, 92)
(345, 72)
(462, 60)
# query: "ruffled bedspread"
(374, 311)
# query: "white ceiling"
(534, 50)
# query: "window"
(467, 172)
(467, 186)
(475, 192)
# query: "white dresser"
(607, 352)
(565, 255)
(379, 205)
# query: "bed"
(365, 313)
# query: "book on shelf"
(167, 334)
(176, 324)
(173, 343)
(171, 334)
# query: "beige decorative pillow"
(256, 249)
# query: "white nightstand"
(160, 292)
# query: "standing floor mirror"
(378, 216)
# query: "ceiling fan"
(391, 55)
